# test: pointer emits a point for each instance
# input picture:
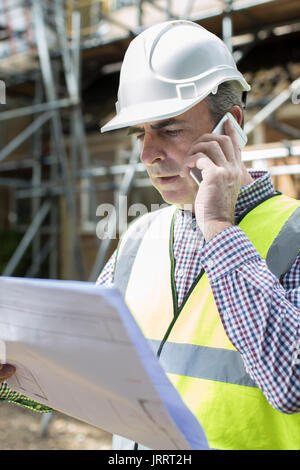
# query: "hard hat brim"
(157, 110)
(148, 112)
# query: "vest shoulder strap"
(129, 245)
(275, 221)
(285, 248)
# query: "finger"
(192, 162)
(231, 132)
(7, 371)
(224, 142)
(212, 148)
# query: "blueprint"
(78, 349)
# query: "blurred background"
(59, 72)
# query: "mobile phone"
(195, 173)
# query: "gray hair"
(228, 94)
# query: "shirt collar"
(252, 193)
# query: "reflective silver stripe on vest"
(219, 365)
(286, 246)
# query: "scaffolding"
(58, 35)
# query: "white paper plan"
(78, 349)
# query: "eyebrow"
(159, 125)
(167, 122)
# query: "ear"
(237, 113)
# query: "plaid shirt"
(260, 315)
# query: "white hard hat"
(169, 68)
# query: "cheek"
(189, 188)
(181, 152)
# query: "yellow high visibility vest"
(193, 347)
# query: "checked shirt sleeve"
(106, 277)
(6, 394)
(261, 317)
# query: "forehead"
(156, 125)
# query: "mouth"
(167, 179)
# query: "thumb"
(7, 371)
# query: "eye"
(174, 132)
(140, 136)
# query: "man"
(223, 326)
(225, 329)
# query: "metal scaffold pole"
(28, 237)
(113, 222)
(227, 28)
(36, 179)
(50, 91)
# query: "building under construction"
(59, 69)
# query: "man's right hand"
(6, 371)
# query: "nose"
(151, 150)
